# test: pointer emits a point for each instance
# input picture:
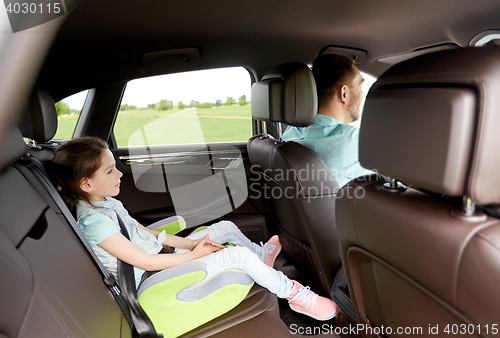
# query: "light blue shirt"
(99, 221)
(335, 142)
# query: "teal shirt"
(335, 142)
(99, 221)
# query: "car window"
(367, 84)
(68, 112)
(193, 107)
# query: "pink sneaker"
(303, 300)
(273, 247)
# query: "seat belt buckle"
(110, 281)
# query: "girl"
(84, 173)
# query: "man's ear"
(85, 185)
(344, 93)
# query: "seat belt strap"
(142, 323)
(108, 277)
(132, 310)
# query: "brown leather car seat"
(39, 124)
(51, 286)
(294, 180)
(422, 258)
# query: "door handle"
(223, 163)
(151, 160)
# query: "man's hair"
(330, 72)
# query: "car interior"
(304, 210)
(412, 249)
(447, 243)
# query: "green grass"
(241, 111)
(221, 124)
(66, 126)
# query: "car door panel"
(203, 183)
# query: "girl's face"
(105, 182)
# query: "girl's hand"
(205, 246)
(209, 242)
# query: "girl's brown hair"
(72, 161)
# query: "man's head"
(337, 78)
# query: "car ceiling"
(103, 41)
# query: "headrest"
(433, 121)
(39, 122)
(286, 94)
(13, 146)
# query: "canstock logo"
(28, 14)
(204, 183)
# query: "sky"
(203, 86)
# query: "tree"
(127, 107)
(218, 103)
(243, 100)
(229, 101)
(181, 105)
(165, 105)
(205, 105)
(62, 108)
(152, 106)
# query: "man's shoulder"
(344, 130)
(330, 123)
(347, 129)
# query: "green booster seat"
(174, 301)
